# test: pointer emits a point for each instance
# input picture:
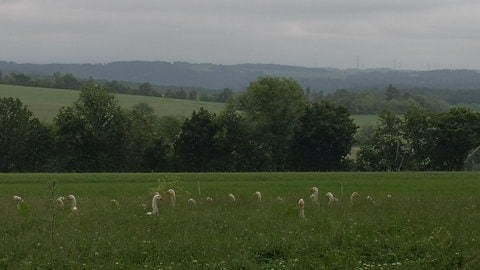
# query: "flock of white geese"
(314, 198)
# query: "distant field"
(365, 120)
(430, 221)
(45, 102)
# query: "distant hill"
(238, 77)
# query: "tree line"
(69, 81)
(272, 126)
(422, 140)
(396, 100)
(258, 132)
(372, 100)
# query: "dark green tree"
(119, 87)
(91, 135)
(66, 81)
(392, 93)
(272, 107)
(20, 79)
(146, 89)
(195, 147)
(140, 135)
(419, 130)
(157, 157)
(181, 94)
(169, 127)
(457, 133)
(25, 144)
(193, 95)
(225, 95)
(323, 138)
(236, 149)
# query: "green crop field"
(45, 102)
(429, 222)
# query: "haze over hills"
(238, 77)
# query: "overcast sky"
(410, 34)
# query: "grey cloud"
(304, 32)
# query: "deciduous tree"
(236, 147)
(195, 147)
(387, 150)
(140, 130)
(457, 133)
(25, 144)
(323, 138)
(273, 106)
(419, 130)
(91, 135)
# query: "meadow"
(363, 120)
(45, 102)
(430, 222)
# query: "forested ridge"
(371, 100)
(238, 77)
(68, 81)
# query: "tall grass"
(431, 222)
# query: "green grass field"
(45, 102)
(431, 222)
(365, 120)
